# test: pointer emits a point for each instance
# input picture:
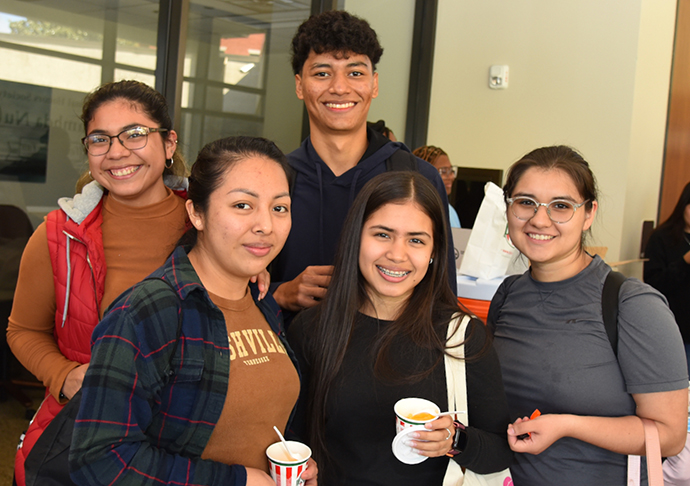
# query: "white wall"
(393, 21)
(587, 73)
(282, 109)
(648, 127)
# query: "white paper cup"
(406, 407)
(284, 471)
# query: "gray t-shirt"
(555, 356)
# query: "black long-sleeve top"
(360, 422)
(669, 273)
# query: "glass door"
(237, 75)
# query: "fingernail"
(409, 443)
(414, 435)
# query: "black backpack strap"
(609, 306)
(401, 160)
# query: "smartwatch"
(459, 440)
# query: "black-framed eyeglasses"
(446, 171)
(132, 139)
(559, 210)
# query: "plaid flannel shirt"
(136, 425)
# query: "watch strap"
(459, 440)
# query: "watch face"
(459, 441)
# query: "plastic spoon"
(435, 414)
(282, 439)
(452, 412)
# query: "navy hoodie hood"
(320, 202)
(335, 195)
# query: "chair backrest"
(15, 231)
(597, 250)
(14, 223)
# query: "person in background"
(334, 57)
(380, 127)
(676, 469)
(439, 159)
(380, 335)
(120, 227)
(667, 268)
(196, 404)
(554, 350)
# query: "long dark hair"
(213, 163)
(424, 319)
(144, 97)
(675, 224)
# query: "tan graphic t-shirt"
(262, 389)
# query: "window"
(54, 52)
(230, 50)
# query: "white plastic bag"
(488, 254)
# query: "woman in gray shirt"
(554, 351)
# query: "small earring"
(431, 260)
(90, 174)
(171, 163)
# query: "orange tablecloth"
(479, 308)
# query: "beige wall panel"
(590, 74)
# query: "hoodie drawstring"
(320, 178)
(353, 187)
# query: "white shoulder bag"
(456, 384)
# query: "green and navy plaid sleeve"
(133, 426)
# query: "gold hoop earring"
(171, 163)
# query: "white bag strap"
(455, 366)
(456, 385)
(633, 470)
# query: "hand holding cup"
(422, 431)
(288, 472)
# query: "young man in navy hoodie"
(334, 56)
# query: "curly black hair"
(334, 31)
